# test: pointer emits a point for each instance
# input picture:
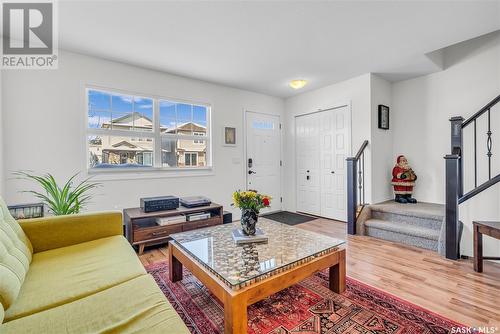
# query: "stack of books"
(240, 238)
(170, 220)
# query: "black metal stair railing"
(355, 186)
(454, 173)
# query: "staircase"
(419, 225)
(454, 173)
(427, 225)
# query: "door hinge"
(281, 163)
(281, 199)
(280, 126)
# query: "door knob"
(333, 172)
(251, 172)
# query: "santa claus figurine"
(403, 180)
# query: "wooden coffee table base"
(236, 301)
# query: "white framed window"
(127, 131)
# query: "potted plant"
(250, 202)
(65, 200)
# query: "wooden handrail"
(361, 150)
(482, 111)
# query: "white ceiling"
(261, 46)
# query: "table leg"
(175, 266)
(235, 314)
(141, 249)
(337, 274)
(478, 250)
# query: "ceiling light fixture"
(297, 84)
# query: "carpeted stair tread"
(419, 225)
(422, 210)
(415, 221)
(402, 228)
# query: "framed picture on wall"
(383, 117)
(229, 136)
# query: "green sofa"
(76, 274)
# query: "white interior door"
(334, 140)
(322, 141)
(307, 152)
(263, 142)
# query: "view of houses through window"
(126, 131)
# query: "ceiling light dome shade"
(297, 84)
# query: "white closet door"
(307, 153)
(322, 144)
(326, 158)
(334, 138)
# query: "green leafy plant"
(66, 200)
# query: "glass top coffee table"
(240, 275)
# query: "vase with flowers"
(250, 202)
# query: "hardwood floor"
(450, 288)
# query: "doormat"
(289, 218)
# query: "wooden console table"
(142, 230)
(483, 227)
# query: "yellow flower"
(236, 198)
(250, 199)
(248, 194)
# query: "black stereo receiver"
(151, 204)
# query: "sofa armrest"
(60, 231)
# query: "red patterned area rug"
(307, 307)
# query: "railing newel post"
(452, 170)
(457, 145)
(351, 194)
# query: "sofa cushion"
(136, 306)
(15, 256)
(62, 275)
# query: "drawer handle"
(159, 233)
